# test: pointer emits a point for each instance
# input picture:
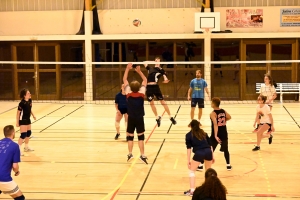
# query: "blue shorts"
(198, 101)
(203, 154)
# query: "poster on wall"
(244, 18)
(289, 17)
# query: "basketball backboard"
(209, 20)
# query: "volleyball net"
(99, 82)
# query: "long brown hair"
(270, 79)
(197, 131)
(211, 188)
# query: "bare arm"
(228, 116)
(138, 70)
(188, 152)
(15, 167)
(207, 92)
(116, 106)
(213, 117)
(18, 117)
(256, 119)
(33, 115)
(125, 81)
(189, 93)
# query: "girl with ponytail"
(197, 141)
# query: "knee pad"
(141, 137)
(117, 124)
(20, 198)
(191, 173)
(23, 135)
(28, 133)
(130, 138)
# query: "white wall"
(175, 20)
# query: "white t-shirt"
(267, 91)
(265, 110)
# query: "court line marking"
(291, 116)
(175, 165)
(154, 129)
(8, 110)
(115, 191)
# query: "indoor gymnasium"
(149, 99)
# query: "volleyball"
(136, 22)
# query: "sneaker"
(200, 168)
(144, 159)
(256, 148)
(229, 167)
(173, 121)
(129, 157)
(28, 149)
(117, 136)
(270, 139)
(158, 121)
(188, 193)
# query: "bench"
(283, 88)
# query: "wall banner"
(244, 18)
(289, 17)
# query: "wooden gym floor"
(76, 156)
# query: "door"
(42, 80)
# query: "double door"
(42, 80)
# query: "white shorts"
(9, 188)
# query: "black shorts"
(153, 90)
(24, 122)
(135, 123)
(123, 110)
(198, 101)
(266, 123)
(214, 144)
(203, 154)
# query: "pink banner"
(244, 18)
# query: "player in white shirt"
(269, 91)
(266, 121)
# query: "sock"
(170, 116)
(228, 165)
(201, 164)
(157, 117)
(192, 189)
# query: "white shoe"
(28, 149)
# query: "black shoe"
(256, 148)
(270, 139)
(144, 159)
(117, 136)
(158, 121)
(200, 168)
(229, 168)
(129, 157)
(173, 121)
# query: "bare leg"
(153, 108)
(141, 145)
(207, 164)
(192, 112)
(261, 130)
(118, 119)
(200, 114)
(166, 107)
(126, 120)
(18, 194)
(130, 143)
(193, 168)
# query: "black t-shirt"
(25, 108)
(154, 73)
(195, 143)
(221, 121)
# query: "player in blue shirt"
(23, 118)
(9, 159)
(197, 141)
(121, 108)
(197, 86)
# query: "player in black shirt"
(23, 118)
(121, 108)
(154, 73)
(135, 108)
(199, 141)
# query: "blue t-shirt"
(121, 100)
(9, 154)
(198, 86)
